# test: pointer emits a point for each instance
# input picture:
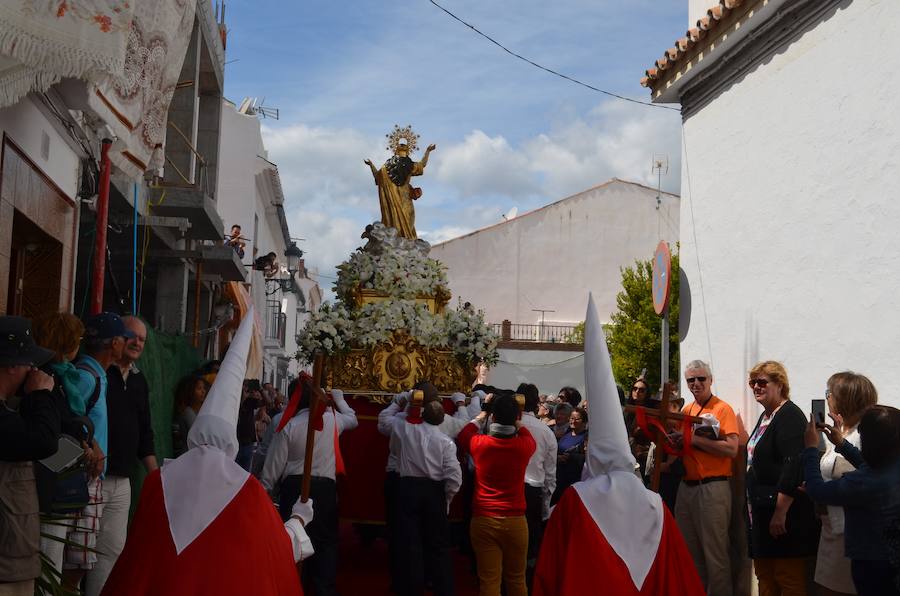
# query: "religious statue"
(395, 193)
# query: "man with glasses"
(703, 508)
(130, 439)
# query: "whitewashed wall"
(789, 184)
(25, 126)
(552, 257)
(549, 370)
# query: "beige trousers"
(703, 514)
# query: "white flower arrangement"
(392, 266)
(334, 329)
(401, 270)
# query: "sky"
(508, 135)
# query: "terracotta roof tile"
(717, 12)
(692, 37)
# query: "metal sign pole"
(664, 343)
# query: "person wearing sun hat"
(204, 525)
(610, 518)
(29, 429)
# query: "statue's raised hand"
(431, 147)
(368, 162)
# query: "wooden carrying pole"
(314, 405)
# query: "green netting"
(165, 360)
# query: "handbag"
(70, 492)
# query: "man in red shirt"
(499, 531)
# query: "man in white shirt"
(284, 464)
(396, 413)
(429, 477)
(540, 475)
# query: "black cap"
(17, 344)
(106, 325)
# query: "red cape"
(245, 550)
(575, 558)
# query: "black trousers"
(395, 563)
(320, 570)
(534, 509)
(422, 535)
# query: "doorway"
(35, 270)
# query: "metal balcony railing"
(546, 333)
(276, 323)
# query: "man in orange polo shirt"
(703, 509)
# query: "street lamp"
(286, 284)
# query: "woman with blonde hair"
(784, 531)
(62, 333)
(849, 395)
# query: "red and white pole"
(99, 265)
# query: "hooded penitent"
(201, 483)
(629, 515)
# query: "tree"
(634, 337)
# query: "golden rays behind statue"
(395, 193)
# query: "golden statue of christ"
(395, 193)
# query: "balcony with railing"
(276, 324)
(538, 333)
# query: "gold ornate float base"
(395, 366)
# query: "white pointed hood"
(629, 516)
(203, 481)
(216, 423)
(608, 448)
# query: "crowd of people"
(535, 473)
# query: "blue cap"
(106, 325)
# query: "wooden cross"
(663, 415)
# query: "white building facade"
(550, 258)
(250, 195)
(791, 146)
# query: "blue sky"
(508, 135)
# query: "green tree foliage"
(634, 337)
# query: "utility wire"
(549, 70)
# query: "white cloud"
(483, 165)
(321, 165)
(444, 233)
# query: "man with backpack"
(105, 335)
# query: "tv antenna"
(253, 106)
(660, 166)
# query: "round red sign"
(662, 270)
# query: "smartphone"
(818, 411)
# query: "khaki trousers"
(24, 588)
(703, 514)
(781, 577)
(501, 549)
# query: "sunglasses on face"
(761, 382)
(690, 380)
(638, 388)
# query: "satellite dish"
(511, 213)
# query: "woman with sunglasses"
(637, 439)
(784, 531)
